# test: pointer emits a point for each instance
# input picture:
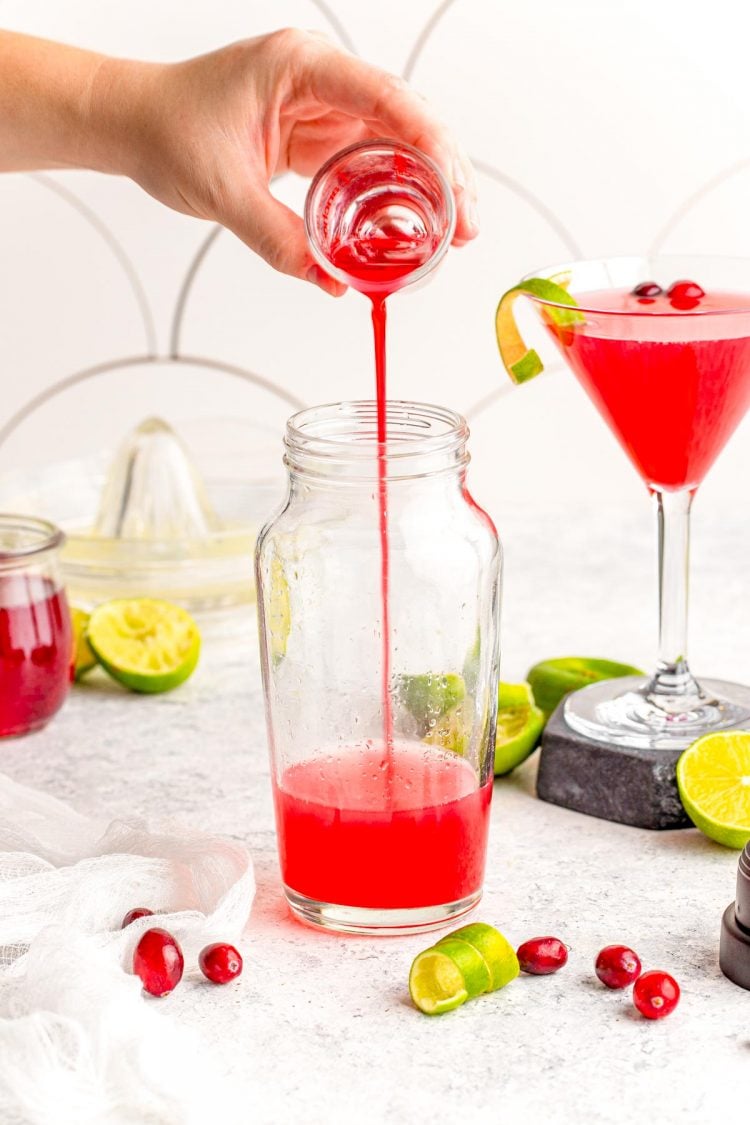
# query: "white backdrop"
(597, 127)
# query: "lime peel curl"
(521, 362)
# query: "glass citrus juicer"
(160, 517)
(661, 346)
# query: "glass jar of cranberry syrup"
(36, 643)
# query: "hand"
(207, 135)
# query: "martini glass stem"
(673, 676)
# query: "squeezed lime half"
(551, 680)
(83, 656)
(144, 643)
(519, 726)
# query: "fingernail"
(473, 216)
(459, 177)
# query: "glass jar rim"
(421, 437)
(33, 536)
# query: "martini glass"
(667, 365)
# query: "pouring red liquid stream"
(377, 267)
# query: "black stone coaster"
(636, 787)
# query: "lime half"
(713, 777)
(521, 362)
(83, 656)
(519, 726)
(551, 680)
(436, 983)
(145, 644)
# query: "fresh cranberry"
(647, 291)
(656, 994)
(685, 295)
(158, 961)
(220, 962)
(542, 955)
(617, 966)
(132, 915)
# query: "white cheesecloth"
(80, 1044)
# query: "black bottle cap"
(734, 947)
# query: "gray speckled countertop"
(320, 1028)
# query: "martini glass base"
(624, 712)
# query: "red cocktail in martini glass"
(662, 348)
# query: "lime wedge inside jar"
(144, 643)
(428, 696)
(521, 362)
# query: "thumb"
(277, 234)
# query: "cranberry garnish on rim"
(685, 295)
(647, 291)
(617, 966)
(656, 994)
(134, 914)
(220, 962)
(542, 955)
(158, 961)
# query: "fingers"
(465, 189)
(278, 235)
(308, 148)
(391, 108)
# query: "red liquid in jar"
(672, 388)
(36, 650)
(386, 830)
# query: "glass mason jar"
(36, 642)
(382, 782)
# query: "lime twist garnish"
(551, 680)
(713, 778)
(464, 964)
(519, 726)
(521, 362)
(146, 644)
